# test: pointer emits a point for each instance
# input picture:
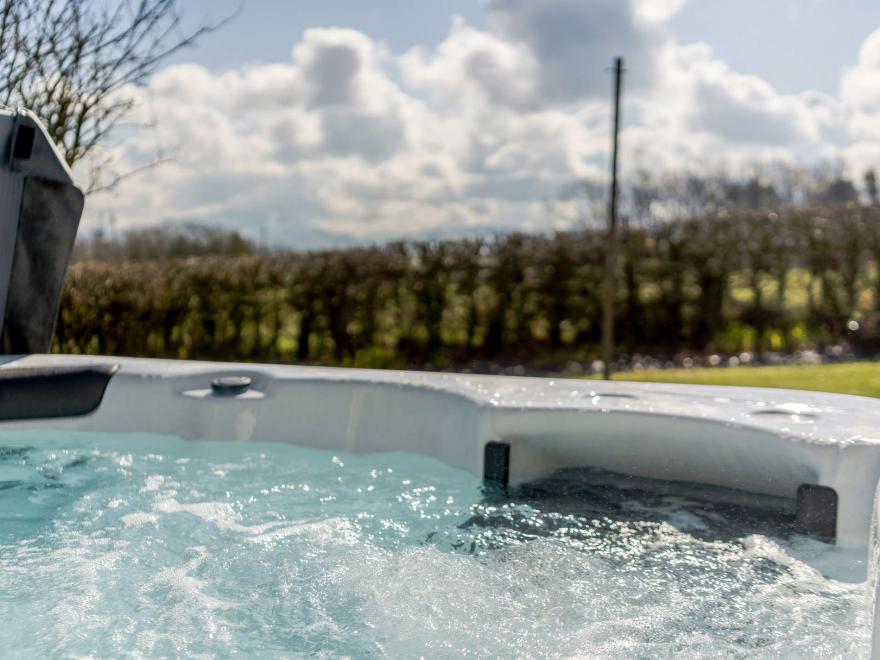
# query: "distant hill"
(167, 242)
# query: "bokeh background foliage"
(755, 281)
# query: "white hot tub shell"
(751, 439)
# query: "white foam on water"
(152, 483)
(138, 518)
(117, 545)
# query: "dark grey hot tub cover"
(40, 209)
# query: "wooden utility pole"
(611, 240)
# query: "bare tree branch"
(73, 63)
(97, 184)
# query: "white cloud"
(349, 141)
(741, 109)
(861, 84)
(658, 10)
(575, 42)
(860, 91)
(474, 66)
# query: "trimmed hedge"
(755, 281)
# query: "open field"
(862, 378)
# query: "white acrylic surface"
(754, 439)
(761, 440)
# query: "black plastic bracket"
(816, 511)
(24, 142)
(496, 464)
(40, 392)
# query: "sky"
(335, 122)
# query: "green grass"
(861, 378)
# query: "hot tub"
(502, 447)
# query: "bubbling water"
(132, 544)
